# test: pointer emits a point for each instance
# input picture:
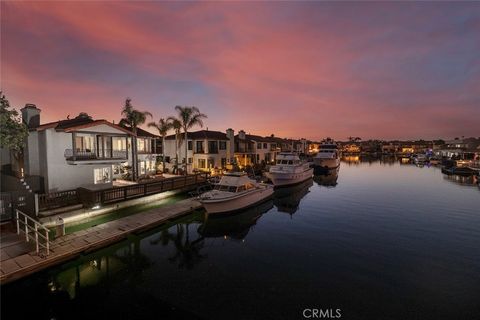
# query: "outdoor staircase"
(25, 184)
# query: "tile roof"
(79, 122)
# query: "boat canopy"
(234, 179)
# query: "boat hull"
(325, 164)
(218, 206)
(281, 179)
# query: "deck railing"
(91, 198)
(54, 200)
(33, 230)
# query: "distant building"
(206, 150)
(351, 148)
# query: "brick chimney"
(31, 115)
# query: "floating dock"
(72, 245)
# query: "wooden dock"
(72, 245)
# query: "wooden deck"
(72, 245)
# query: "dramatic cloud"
(375, 70)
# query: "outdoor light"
(96, 207)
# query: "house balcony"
(244, 150)
(88, 156)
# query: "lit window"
(102, 175)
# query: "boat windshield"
(286, 162)
(241, 188)
(220, 187)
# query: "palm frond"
(124, 123)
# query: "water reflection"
(390, 231)
(351, 160)
(327, 180)
(287, 199)
(462, 180)
(187, 251)
(235, 226)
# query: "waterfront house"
(74, 152)
(254, 149)
(207, 150)
(216, 151)
(351, 148)
(390, 148)
(459, 148)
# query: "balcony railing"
(244, 150)
(93, 155)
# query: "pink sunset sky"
(295, 69)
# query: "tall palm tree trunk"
(176, 152)
(186, 152)
(134, 159)
(163, 153)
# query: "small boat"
(328, 156)
(235, 191)
(420, 158)
(289, 170)
(434, 161)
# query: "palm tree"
(163, 126)
(189, 117)
(133, 118)
(177, 126)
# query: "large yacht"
(289, 170)
(328, 156)
(235, 191)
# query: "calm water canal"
(382, 240)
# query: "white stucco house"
(78, 152)
(206, 150)
(214, 150)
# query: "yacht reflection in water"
(236, 225)
(288, 199)
(327, 180)
(470, 181)
(351, 160)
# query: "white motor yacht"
(235, 191)
(328, 156)
(289, 169)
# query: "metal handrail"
(36, 229)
